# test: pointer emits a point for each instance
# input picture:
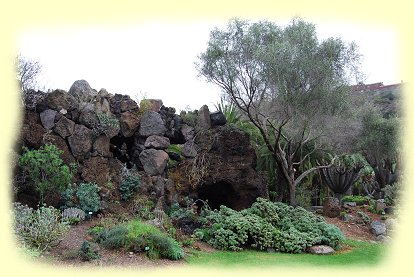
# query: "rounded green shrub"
(88, 197)
(267, 225)
(46, 169)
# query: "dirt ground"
(61, 254)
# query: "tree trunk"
(292, 193)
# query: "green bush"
(39, 228)
(129, 183)
(84, 196)
(88, 251)
(358, 199)
(139, 236)
(265, 225)
(364, 217)
(390, 193)
(88, 197)
(115, 238)
(46, 169)
(160, 245)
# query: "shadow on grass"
(354, 253)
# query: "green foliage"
(163, 246)
(107, 124)
(130, 181)
(267, 224)
(358, 199)
(391, 193)
(39, 228)
(189, 117)
(88, 196)
(139, 236)
(379, 137)
(115, 238)
(229, 111)
(364, 217)
(46, 169)
(88, 251)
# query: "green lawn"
(359, 254)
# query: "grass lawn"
(355, 253)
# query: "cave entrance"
(217, 194)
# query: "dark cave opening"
(122, 148)
(217, 194)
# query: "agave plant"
(342, 174)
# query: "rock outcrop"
(199, 157)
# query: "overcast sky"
(156, 59)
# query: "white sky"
(157, 59)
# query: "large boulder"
(173, 124)
(321, 250)
(101, 146)
(88, 118)
(217, 119)
(122, 103)
(151, 104)
(32, 131)
(60, 100)
(157, 142)
(331, 207)
(80, 141)
(151, 124)
(64, 127)
(203, 119)
(154, 161)
(47, 118)
(378, 228)
(190, 149)
(129, 123)
(187, 132)
(82, 91)
(223, 170)
(96, 170)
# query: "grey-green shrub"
(267, 224)
(38, 228)
(129, 183)
(88, 197)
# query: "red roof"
(375, 87)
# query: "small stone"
(380, 205)
(349, 204)
(378, 228)
(321, 250)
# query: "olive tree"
(290, 85)
(379, 143)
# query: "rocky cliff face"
(103, 133)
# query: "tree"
(379, 144)
(292, 87)
(46, 169)
(27, 74)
